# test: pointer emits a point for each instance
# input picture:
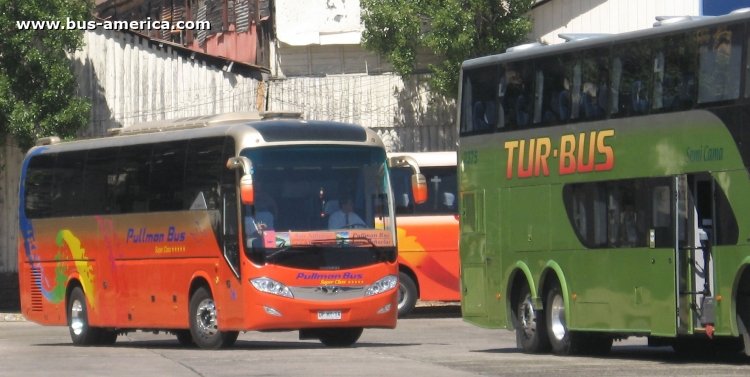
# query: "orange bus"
(428, 232)
(208, 226)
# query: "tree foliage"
(454, 30)
(37, 84)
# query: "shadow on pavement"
(435, 311)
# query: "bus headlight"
(271, 286)
(383, 285)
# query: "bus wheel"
(744, 335)
(184, 338)
(531, 331)
(81, 332)
(204, 327)
(339, 337)
(107, 337)
(564, 341)
(407, 294)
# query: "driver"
(345, 216)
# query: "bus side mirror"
(247, 191)
(419, 188)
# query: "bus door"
(696, 268)
(228, 291)
(474, 260)
(665, 196)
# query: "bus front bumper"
(283, 313)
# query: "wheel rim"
(527, 316)
(205, 317)
(557, 317)
(77, 321)
(401, 295)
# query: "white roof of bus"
(604, 40)
(430, 158)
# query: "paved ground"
(434, 342)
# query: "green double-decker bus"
(605, 189)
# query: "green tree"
(454, 30)
(37, 84)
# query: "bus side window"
(40, 176)
(67, 193)
(480, 110)
(720, 55)
(205, 165)
(167, 176)
(485, 115)
(99, 179)
(132, 179)
(639, 97)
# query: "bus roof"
(249, 129)
(663, 26)
(430, 158)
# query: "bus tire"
(107, 337)
(744, 335)
(407, 294)
(339, 337)
(185, 338)
(230, 337)
(531, 329)
(561, 339)
(81, 332)
(204, 325)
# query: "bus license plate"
(329, 315)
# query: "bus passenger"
(345, 216)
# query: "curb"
(12, 317)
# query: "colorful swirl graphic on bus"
(581, 153)
(85, 270)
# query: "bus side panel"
(156, 255)
(474, 268)
(59, 251)
(37, 301)
(158, 297)
(429, 246)
(134, 269)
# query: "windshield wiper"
(343, 241)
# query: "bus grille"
(36, 289)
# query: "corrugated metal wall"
(10, 161)
(407, 115)
(130, 79)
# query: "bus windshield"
(318, 197)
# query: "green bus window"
(719, 63)
(619, 214)
(635, 84)
(555, 93)
(594, 95)
(480, 110)
(518, 95)
(678, 82)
